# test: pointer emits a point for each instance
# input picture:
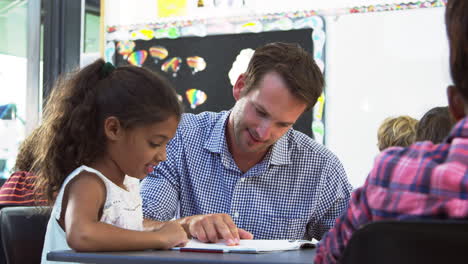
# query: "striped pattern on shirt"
(19, 190)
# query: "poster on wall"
(199, 67)
(203, 58)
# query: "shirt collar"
(279, 153)
(280, 150)
(217, 139)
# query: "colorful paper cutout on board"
(171, 33)
(109, 52)
(196, 63)
(194, 30)
(137, 58)
(280, 24)
(195, 97)
(144, 34)
(148, 33)
(311, 22)
(172, 66)
(318, 129)
(125, 47)
(240, 64)
(318, 108)
(158, 53)
(253, 26)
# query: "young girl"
(103, 130)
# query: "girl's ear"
(112, 128)
(456, 103)
(238, 86)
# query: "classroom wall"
(125, 12)
(379, 65)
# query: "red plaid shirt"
(18, 190)
(421, 181)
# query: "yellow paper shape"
(168, 8)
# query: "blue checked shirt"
(296, 192)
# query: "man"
(423, 180)
(247, 167)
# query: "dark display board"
(219, 53)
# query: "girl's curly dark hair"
(72, 131)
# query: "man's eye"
(154, 145)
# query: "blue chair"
(409, 242)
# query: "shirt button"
(242, 179)
(236, 214)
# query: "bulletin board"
(198, 62)
(219, 52)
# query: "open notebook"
(247, 246)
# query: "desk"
(175, 257)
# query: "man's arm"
(328, 220)
(334, 242)
(160, 192)
(335, 198)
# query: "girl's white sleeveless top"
(122, 208)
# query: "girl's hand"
(172, 234)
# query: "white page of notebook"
(246, 245)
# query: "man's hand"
(213, 227)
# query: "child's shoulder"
(80, 182)
(86, 178)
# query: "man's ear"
(238, 86)
(112, 128)
(456, 103)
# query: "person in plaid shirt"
(424, 180)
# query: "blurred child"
(104, 129)
(19, 187)
(396, 131)
(435, 125)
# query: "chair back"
(409, 242)
(22, 231)
(2, 254)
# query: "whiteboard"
(380, 65)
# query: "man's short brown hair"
(295, 65)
